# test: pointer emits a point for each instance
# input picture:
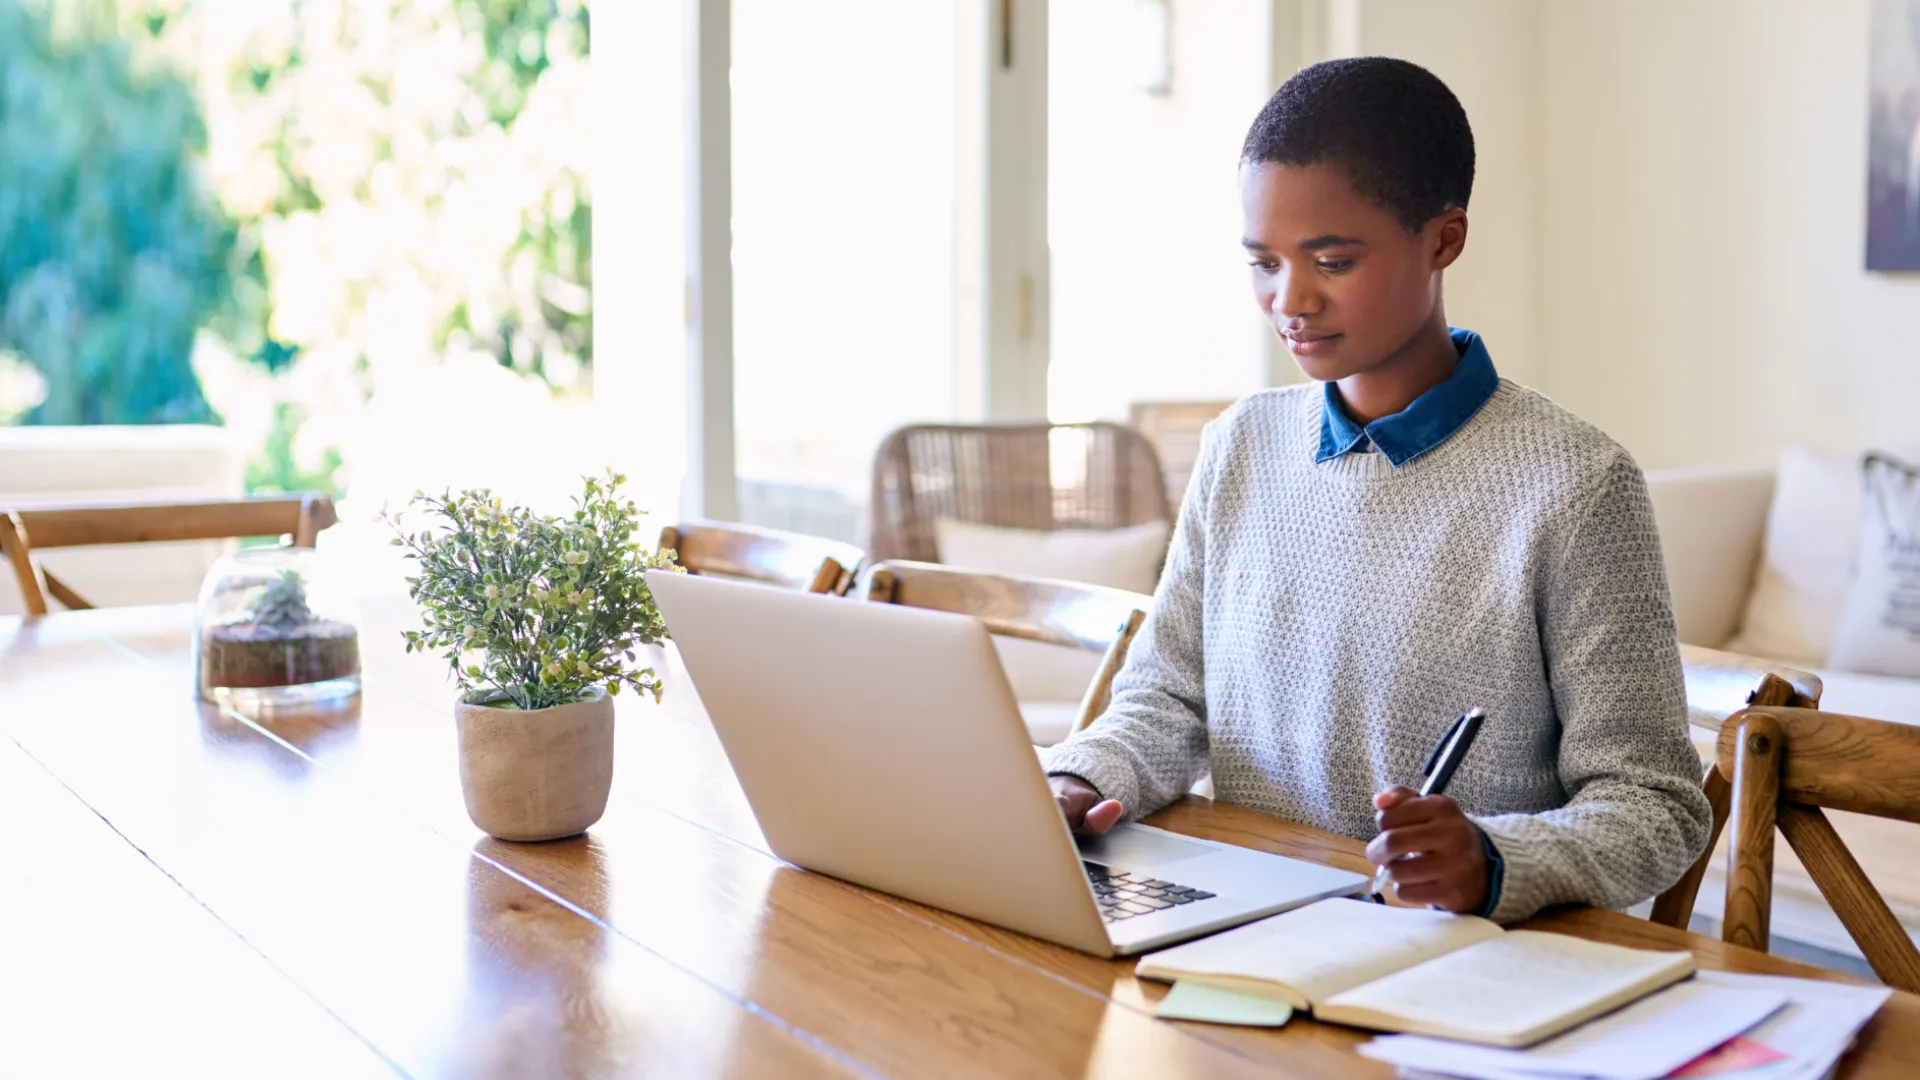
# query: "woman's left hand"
(1432, 852)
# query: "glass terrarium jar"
(270, 633)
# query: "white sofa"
(1712, 525)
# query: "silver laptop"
(881, 744)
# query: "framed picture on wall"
(1893, 137)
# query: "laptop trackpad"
(1127, 845)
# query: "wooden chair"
(1719, 685)
(790, 560)
(26, 530)
(1031, 476)
(1054, 612)
(1784, 765)
(1173, 428)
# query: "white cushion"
(1879, 631)
(1711, 524)
(1125, 558)
(1880, 697)
(1806, 561)
(1049, 682)
(1038, 671)
(1048, 722)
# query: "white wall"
(1487, 53)
(1667, 224)
(1702, 208)
(1151, 298)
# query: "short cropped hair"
(1393, 127)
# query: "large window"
(358, 239)
(843, 245)
(349, 244)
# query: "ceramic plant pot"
(537, 775)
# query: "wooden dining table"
(186, 890)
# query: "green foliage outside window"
(317, 192)
(114, 252)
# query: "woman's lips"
(1311, 344)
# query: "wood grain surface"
(669, 940)
(1755, 775)
(1844, 762)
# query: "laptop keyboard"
(1123, 896)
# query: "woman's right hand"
(1086, 812)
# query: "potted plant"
(539, 618)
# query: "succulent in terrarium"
(273, 638)
(283, 604)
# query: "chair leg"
(1756, 786)
(1860, 906)
(13, 544)
(1675, 906)
(60, 591)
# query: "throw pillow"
(1125, 558)
(1806, 560)
(1879, 631)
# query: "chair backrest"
(1174, 427)
(1719, 685)
(24, 530)
(1054, 612)
(1031, 476)
(790, 560)
(1784, 765)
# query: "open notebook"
(1419, 971)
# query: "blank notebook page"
(1510, 991)
(1319, 950)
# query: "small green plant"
(532, 611)
(283, 604)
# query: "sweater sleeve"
(1150, 746)
(1635, 816)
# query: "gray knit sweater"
(1319, 625)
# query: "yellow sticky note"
(1199, 1001)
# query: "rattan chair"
(1032, 476)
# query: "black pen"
(1438, 771)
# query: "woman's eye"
(1336, 266)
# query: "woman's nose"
(1295, 296)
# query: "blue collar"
(1432, 418)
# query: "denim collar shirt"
(1420, 427)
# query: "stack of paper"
(1719, 1025)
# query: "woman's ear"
(1447, 234)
